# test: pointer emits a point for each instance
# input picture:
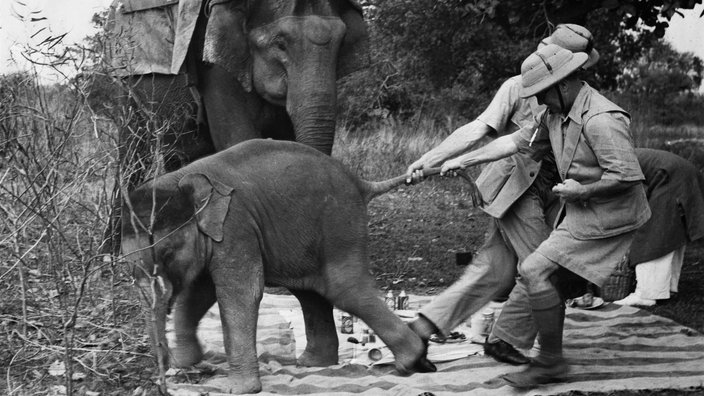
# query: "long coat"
(675, 191)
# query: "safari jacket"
(502, 182)
(591, 143)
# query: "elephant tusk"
(162, 285)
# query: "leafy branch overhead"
(651, 13)
(449, 56)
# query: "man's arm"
(493, 119)
(609, 137)
(572, 190)
(502, 147)
(461, 140)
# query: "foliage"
(662, 85)
(446, 58)
(63, 305)
(663, 73)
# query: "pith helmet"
(575, 38)
(547, 66)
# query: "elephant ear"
(225, 42)
(211, 201)
(354, 52)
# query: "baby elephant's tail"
(374, 189)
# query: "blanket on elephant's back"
(150, 36)
(610, 348)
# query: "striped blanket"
(609, 348)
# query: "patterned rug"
(609, 348)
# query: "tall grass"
(685, 138)
(384, 149)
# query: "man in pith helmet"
(516, 192)
(602, 198)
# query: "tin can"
(487, 322)
(346, 323)
(389, 300)
(375, 354)
(402, 301)
(476, 328)
(365, 336)
(369, 335)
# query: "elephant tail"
(370, 190)
(374, 189)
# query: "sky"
(73, 18)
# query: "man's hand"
(450, 166)
(571, 190)
(414, 173)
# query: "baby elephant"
(261, 213)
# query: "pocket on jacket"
(605, 217)
(623, 210)
(493, 178)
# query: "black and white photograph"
(352, 197)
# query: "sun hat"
(575, 38)
(546, 67)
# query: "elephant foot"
(186, 353)
(236, 384)
(311, 359)
(414, 359)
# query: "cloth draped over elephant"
(154, 37)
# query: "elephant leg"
(238, 275)
(322, 342)
(189, 308)
(230, 111)
(356, 294)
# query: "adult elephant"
(203, 75)
(218, 72)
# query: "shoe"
(504, 352)
(537, 374)
(634, 299)
(454, 337)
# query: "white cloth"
(655, 279)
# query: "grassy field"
(66, 312)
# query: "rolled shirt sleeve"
(498, 114)
(609, 136)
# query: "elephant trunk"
(313, 116)
(156, 295)
(312, 87)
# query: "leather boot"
(549, 365)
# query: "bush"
(64, 306)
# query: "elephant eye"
(279, 42)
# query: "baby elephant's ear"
(211, 200)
